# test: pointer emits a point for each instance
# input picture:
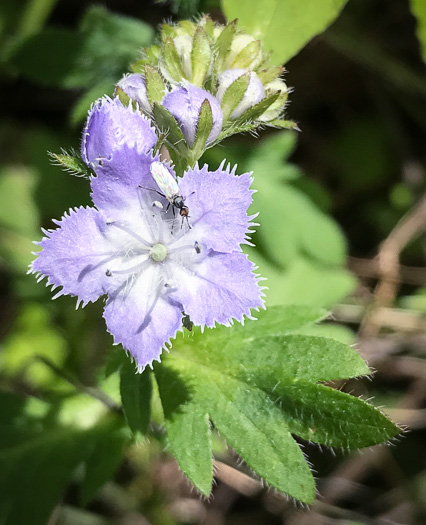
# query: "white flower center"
(158, 252)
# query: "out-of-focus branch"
(407, 229)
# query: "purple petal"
(109, 126)
(184, 103)
(218, 202)
(135, 88)
(123, 182)
(220, 288)
(76, 255)
(142, 319)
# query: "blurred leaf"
(304, 282)
(136, 392)
(19, 219)
(37, 460)
(101, 50)
(331, 331)
(183, 8)
(107, 455)
(82, 106)
(291, 223)
(233, 380)
(284, 26)
(35, 15)
(33, 336)
(361, 154)
(371, 55)
(418, 8)
(416, 301)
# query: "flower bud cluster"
(203, 83)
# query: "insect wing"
(164, 179)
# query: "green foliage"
(135, 392)
(38, 457)
(258, 385)
(19, 217)
(418, 8)
(284, 26)
(94, 56)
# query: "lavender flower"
(134, 87)
(109, 126)
(184, 103)
(150, 264)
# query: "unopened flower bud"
(184, 103)
(247, 46)
(135, 88)
(252, 96)
(277, 107)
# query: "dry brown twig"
(407, 229)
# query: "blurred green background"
(328, 197)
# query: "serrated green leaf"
(204, 127)
(418, 8)
(258, 109)
(201, 55)
(330, 417)
(72, 163)
(188, 429)
(154, 84)
(298, 356)
(284, 26)
(247, 56)
(136, 390)
(258, 385)
(274, 321)
(250, 422)
(234, 94)
(172, 60)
